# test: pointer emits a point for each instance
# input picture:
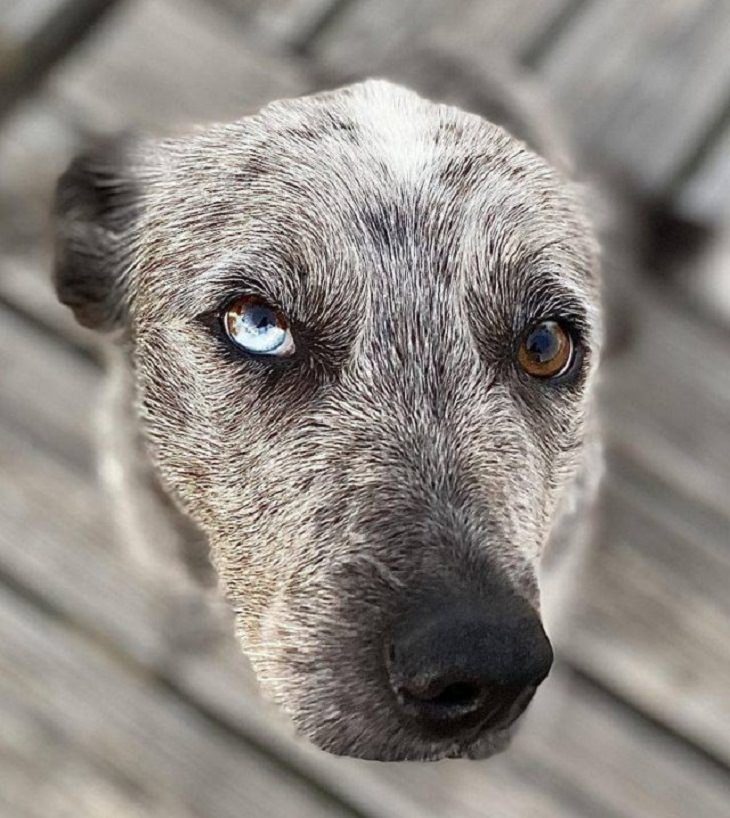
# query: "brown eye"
(546, 350)
(257, 327)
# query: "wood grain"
(628, 76)
(165, 64)
(703, 196)
(76, 567)
(36, 33)
(282, 24)
(176, 760)
(370, 32)
(118, 697)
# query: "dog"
(355, 337)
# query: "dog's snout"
(454, 668)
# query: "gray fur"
(402, 452)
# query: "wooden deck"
(108, 706)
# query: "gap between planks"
(189, 673)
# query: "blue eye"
(257, 327)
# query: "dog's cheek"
(263, 505)
(174, 415)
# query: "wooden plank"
(515, 782)
(703, 195)
(667, 398)
(706, 284)
(633, 770)
(167, 63)
(369, 32)
(640, 84)
(46, 392)
(175, 758)
(74, 566)
(504, 29)
(281, 24)
(657, 586)
(43, 776)
(34, 34)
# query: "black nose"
(458, 667)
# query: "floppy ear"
(97, 207)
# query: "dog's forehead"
(376, 140)
(347, 173)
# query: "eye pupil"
(261, 318)
(546, 350)
(543, 344)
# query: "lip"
(480, 745)
(484, 746)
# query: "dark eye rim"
(577, 352)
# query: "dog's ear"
(97, 208)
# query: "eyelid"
(552, 298)
(576, 325)
(263, 274)
(251, 291)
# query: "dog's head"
(363, 329)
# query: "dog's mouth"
(484, 745)
(400, 736)
(479, 744)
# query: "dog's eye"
(257, 327)
(546, 350)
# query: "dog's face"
(362, 328)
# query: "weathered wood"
(81, 584)
(34, 34)
(169, 63)
(652, 613)
(706, 284)
(75, 567)
(174, 757)
(703, 195)
(43, 776)
(667, 399)
(640, 84)
(632, 770)
(369, 32)
(283, 24)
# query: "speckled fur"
(401, 452)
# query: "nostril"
(460, 694)
(448, 696)
(443, 702)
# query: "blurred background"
(107, 708)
